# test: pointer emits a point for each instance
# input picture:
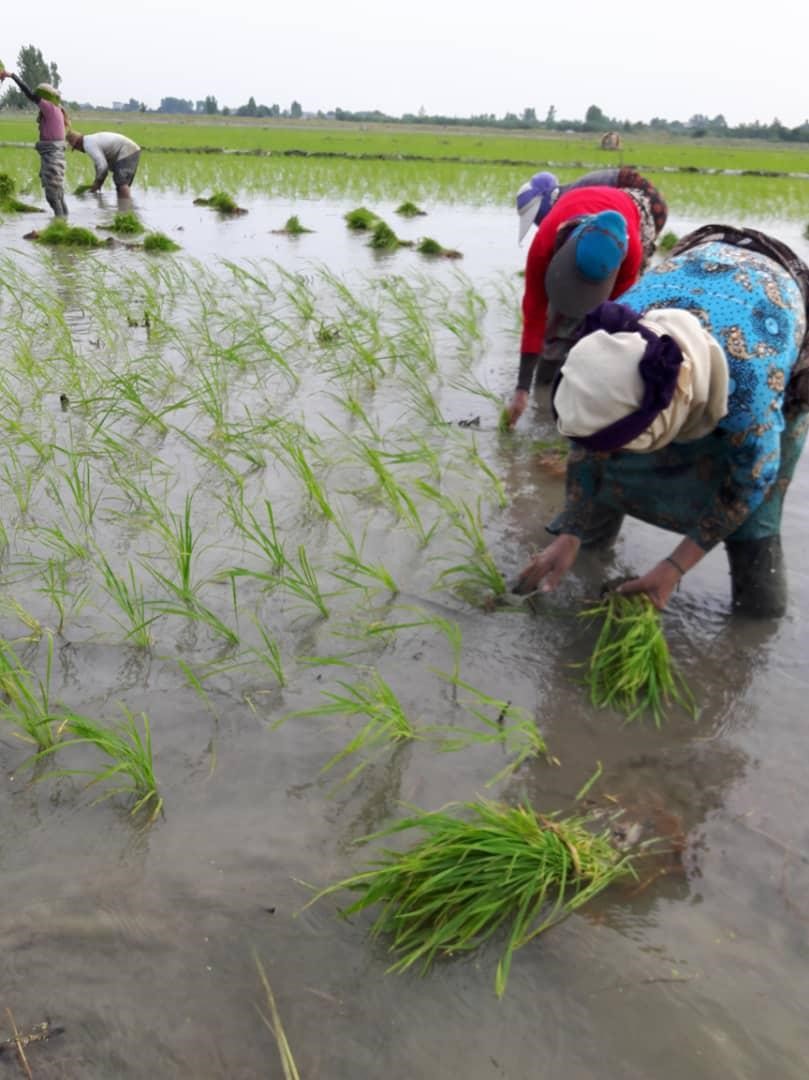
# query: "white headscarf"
(602, 383)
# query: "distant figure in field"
(110, 152)
(53, 121)
(611, 141)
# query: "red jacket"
(574, 203)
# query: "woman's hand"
(551, 564)
(658, 584)
(516, 407)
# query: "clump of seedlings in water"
(292, 227)
(667, 241)
(361, 219)
(8, 202)
(221, 201)
(383, 238)
(125, 223)
(129, 753)
(82, 189)
(409, 209)
(158, 241)
(428, 246)
(60, 234)
(631, 668)
(473, 873)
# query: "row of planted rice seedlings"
(116, 421)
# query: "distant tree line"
(33, 68)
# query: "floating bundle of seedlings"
(667, 241)
(60, 234)
(221, 201)
(9, 202)
(383, 238)
(158, 241)
(361, 219)
(409, 209)
(126, 223)
(472, 874)
(82, 189)
(631, 668)
(293, 227)
(428, 246)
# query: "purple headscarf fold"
(658, 367)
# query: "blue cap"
(601, 244)
(582, 273)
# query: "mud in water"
(141, 943)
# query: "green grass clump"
(6, 187)
(469, 876)
(361, 219)
(221, 201)
(59, 234)
(158, 241)
(81, 189)
(409, 209)
(667, 241)
(126, 223)
(293, 227)
(631, 668)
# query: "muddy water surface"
(141, 943)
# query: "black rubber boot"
(758, 577)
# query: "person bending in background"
(688, 405)
(551, 318)
(53, 122)
(109, 152)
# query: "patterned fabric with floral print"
(731, 482)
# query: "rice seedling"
(428, 246)
(386, 722)
(667, 241)
(631, 667)
(301, 581)
(127, 749)
(126, 223)
(409, 209)
(361, 219)
(478, 571)
(273, 1022)
(128, 595)
(59, 234)
(502, 723)
(475, 872)
(27, 704)
(55, 584)
(222, 202)
(157, 241)
(292, 227)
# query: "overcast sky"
(634, 61)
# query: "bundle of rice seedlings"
(221, 201)
(360, 219)
(8, 202)
(126, 222)
(428, 246)
(293, 227)
(59, 234)
(383, 238)
(409, 209)
(158, 241)
(667, 241)
(631, 668)
(494, 867)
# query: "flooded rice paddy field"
(234, 478)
